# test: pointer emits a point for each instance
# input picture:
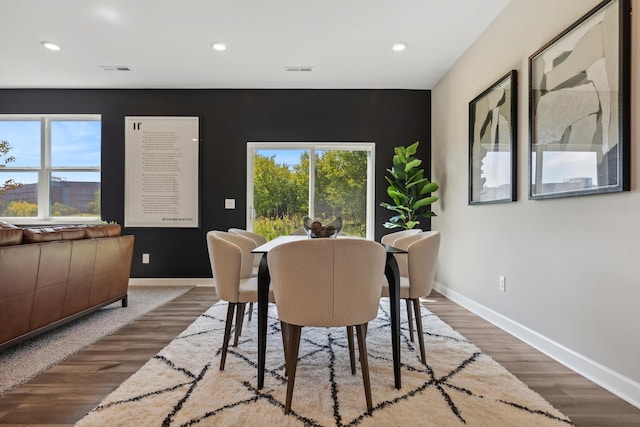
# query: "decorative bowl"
(315, 229)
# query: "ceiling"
(167, 43)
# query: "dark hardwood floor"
(587, 404)
(66, 392)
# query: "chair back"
(389, 239)
(403, 242)
(327, 282)
(421, 261)
(231, 260)
(258, 238)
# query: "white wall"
(572, 265)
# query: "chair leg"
(364, 363)
(409, 319)
(292, 362)
(227, 334)
(352, 356)
(284, 328)
(239, 321)
(416, 307)
(250, 311)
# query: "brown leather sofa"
(50, 276)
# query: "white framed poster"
(161, 172)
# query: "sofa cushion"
(10, 234)
(50, 234)
(72, 233)
(102, 230)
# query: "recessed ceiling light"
(219, 46)
(115, 67)
(399, 46)
(50, 45)
(303, 68)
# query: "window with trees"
(50, 168)
(289, 181)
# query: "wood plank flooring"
(66, 392)
(587, 404)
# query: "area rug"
(24, 361)
(460, 386)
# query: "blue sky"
(288, 157)
(74, 144)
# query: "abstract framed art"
(579, 107)
(492, 143)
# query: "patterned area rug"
(182, 385)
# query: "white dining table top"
(266, 247)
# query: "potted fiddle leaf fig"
(409, 190)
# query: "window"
(50, 168)
(288, 181)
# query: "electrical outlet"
(502, 285)
(145, 258)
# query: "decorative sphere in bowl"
(315, 229)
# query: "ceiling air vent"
(307, 69)
(115, 67)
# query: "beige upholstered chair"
(388, 239)
(260, 240)
(326, 283)
(232, 264)
(417, 271)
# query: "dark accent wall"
(229, 118)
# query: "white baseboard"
(605, 377)
(170, 282)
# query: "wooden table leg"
(393, 277)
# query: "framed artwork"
(161, 172)
(492, 143)
(579, 107)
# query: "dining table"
(264, 279)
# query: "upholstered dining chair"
(417, 271)
(326, 283)
(388, 239)
(260, 240)
(232, 264)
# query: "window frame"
(45, 170)
(312, 147)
